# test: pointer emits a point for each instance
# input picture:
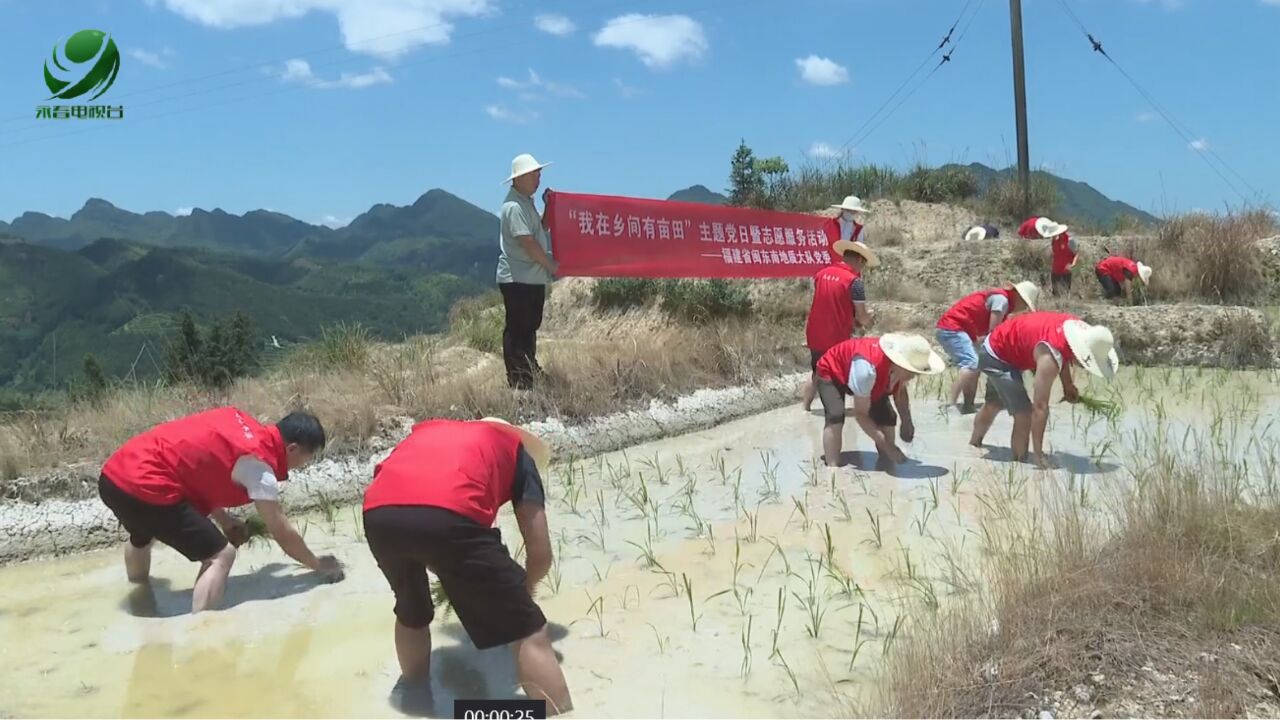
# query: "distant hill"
(1080, 202)
(439, 232)
(119, 300)
(699, 194)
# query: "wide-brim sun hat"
(537, 448)
(843, 246)
(1144, 273)
(1028, 291)
(523, 165)
(913, 353)
(854, 203)
(977, 232)
(1093, 346)
(1049, 229)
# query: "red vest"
(1028, 229)
(1062, 254)
(833, 235)
(831, 313)
(1115, 266)
(466, 467)
(971, 315)
(835, 364)
(191, 459)
(1014, 340)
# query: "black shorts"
(485, 586)
(832, 395)
(1110, 288)
(180, 526)
(814, 357)
(1060, 282)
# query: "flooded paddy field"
(722, 573)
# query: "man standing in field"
(1116, 274)
(1045, 344)
(166, 483)
(839, 305)
(967, 323)
(525, 268)
(431, 507)
(1065, 253)
(872, 370)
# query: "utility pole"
(1020, 105)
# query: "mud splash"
(720, 573)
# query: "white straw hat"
(1144, 273)
(1048, 228)
(1093, 347)
(534, 445)
(977, 232)
(852, 202)
(912, 352)
(1028, 291)
(843, 246)
(523, 165)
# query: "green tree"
(91, 387)
(773, 176)
(746, 183)
(181, 362)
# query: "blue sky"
(322, 108)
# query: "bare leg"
(832, 442)
(810, 390)
(1021, 435)
(982, 422)
(970, 378)
(413, 649)
(212, 580)
(539, 672)
(137, 562)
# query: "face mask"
(847, 215)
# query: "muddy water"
(720, 573)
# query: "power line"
(1181, 129)
(945, 41)
(946, 58)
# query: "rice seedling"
(646, 550)
(875, 529)
(602, 520)
(597, 609)
(662, 644)
(803, 509)
(892, 636)
(746, 646)
(753, 522)
(921, 520)
(710, 534)
(688, 591)
(769, 475)
(812, 604)
(777, 627)
(256, 529)
(737, 560)
(845, 514)
(554, 577)
(357, 523)
(669, 580)
(640, 498)
(794, 683)
(655, 466)
(328, 508)
(626, 595)
(599, 576)
(853, 656)
(935, 486)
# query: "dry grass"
(1213, 257)
(1187, 563)
(423, 377)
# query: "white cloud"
(1199, 145)
(626, 90)
(535, 82)
(824, 151)
(384, 28)
(502, 114)
(183, 211)
(154, 59)
(1146, 117)
(557, 25)
(335, 222)
(659, 40)
(299, 71)
(821, 71)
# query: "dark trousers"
(523, 304)
(1061, 284)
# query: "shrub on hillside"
(938, 185)
(700, 301)
(226, 351)
(623, 293)
(478, 322)
(1212, 257)
(1002, 199)
(345, 346)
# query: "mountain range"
(1078, 202)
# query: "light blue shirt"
(518, 218)
(862, 377)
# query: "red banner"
(607, 236)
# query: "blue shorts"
(960, 347)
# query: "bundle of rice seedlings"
(257, 529)
(1098, 406)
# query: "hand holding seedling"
(329, 569)
(237, 532)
